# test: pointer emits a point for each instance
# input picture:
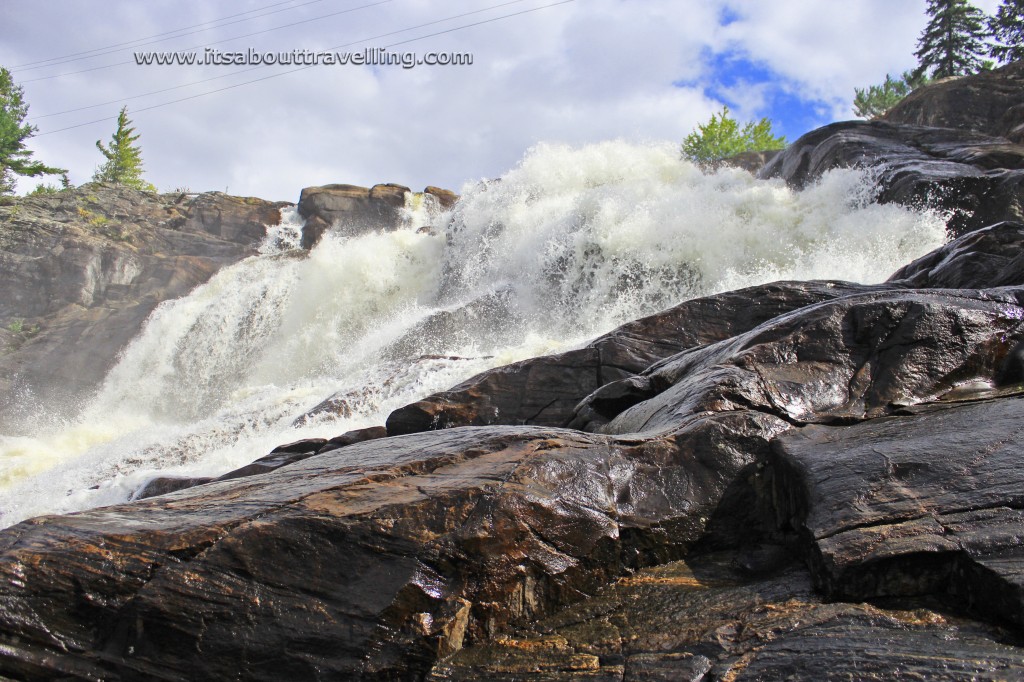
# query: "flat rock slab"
(928, 502)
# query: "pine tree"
(1007, 27)
(15, 159)
(124, 157)
(952, 43)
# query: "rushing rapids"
(565, 246)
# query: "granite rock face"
(976, 179)
(989, 102)
(82, 269)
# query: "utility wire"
(75, 56)
(303, 68)
(216, 42)
(235, 73)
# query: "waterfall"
(565, 246)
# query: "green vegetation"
(47, 188)
(1007, 29)
(93, 219)
(723, 136)
(874, 100)
(124, 157)
(15, 159)
(953, 42)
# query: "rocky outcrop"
(795, 481)
(976, 179)
(352, 210)
(81, 270)
(990, 102)
(545, 391)
(818, 423)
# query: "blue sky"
(731, 74)
(574, 72)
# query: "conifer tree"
(124, 157)
(952, 44)
(1007, 27)
(15, 159)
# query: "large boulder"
(976, 179)
(989, 102)
(349, 209)
(930, 502)
(370, 560)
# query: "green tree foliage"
(722, 137)
(953, 42)
(875, 100)
(1007, 28)
(124, 157)
(15, 159)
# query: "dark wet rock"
(858, 357)
(82, 269)
(353, 437)
(540, 391)
(545, 390)
(702, 620)
(162, 485)
(283, 455)
(989, 102)
(977, 179)
(926, 503)
(990, 257)
(409, 546)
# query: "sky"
(543, 71)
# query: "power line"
(216, 42)
(303, 68)
(75, 56)
(234, 73)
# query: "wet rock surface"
(82, 269)
(704, 619)
(545, 391)
(408, 548)
(974, 178)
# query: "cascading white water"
(564, 247)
